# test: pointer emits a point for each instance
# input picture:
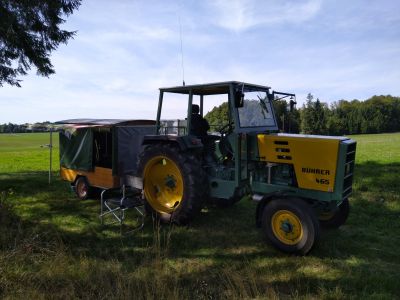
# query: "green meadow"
(52, 245)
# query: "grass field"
(53, 246)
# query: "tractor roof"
(212, 88)
(104, 122)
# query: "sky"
(125, 50)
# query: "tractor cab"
(249, 107)
(248, 111)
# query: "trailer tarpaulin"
(76, 149)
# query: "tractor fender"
(182, 142)
(263, 200)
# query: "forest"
(377, 114)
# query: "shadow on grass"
(221, 245)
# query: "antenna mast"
(180, 35)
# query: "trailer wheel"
(290, 225)
(337, 218)
(173, 183)
(82, 188)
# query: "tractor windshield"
(256, 110)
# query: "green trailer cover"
(76, 149)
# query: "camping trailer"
(100, 152)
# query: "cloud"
(125, 50)
(241, 15)
(131, 33)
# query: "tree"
(281, 113)
(29, 32)
(288, 121)
(218, 116)
(313, 116)
(336, 120)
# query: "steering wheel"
(224, 144)
(225, 129)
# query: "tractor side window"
(216, 112)
(174, 113)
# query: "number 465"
(322, 180)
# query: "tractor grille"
(349, 170)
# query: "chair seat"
(125, 202)
(114, 203)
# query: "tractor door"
(253, 113)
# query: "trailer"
(99, 153)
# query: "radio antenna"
(180, 36)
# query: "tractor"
(299, 181)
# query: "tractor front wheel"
(290, 225)
(173, 183)
(337, 218)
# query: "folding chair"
(115, 202)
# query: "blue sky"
(125, 50)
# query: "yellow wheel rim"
(163, 184)
(287, 227)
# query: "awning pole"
(51, 153)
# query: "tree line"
(375, 115)
(21, 128)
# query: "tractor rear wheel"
(337, 218)
(290, 225)
(173, 183)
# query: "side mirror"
(239, 99)
(292, 104)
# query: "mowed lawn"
(27, 152)
(53, 246)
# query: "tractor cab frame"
(250, 112)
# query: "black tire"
(338, 218)
(290, 225)
(82, 188)
(186, 175)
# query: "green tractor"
(301, 182)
